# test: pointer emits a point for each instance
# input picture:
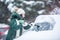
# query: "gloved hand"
(26, 26)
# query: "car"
(43, 23)
(3, 30)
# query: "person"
(57, 8)
(21, 22)
(50, 7)
(54, 8)
(17, 19)
(13, 26)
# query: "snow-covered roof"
(42, 18)
(3, 25)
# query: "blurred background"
(33, 8)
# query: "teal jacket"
(13, 26)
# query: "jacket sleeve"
(27, 27)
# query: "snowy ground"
(44, 35)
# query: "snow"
(43, 18)
(44, 35)
(10, 6)
(31, 3)
(41, 11)
(28, 2)
(3, 25)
